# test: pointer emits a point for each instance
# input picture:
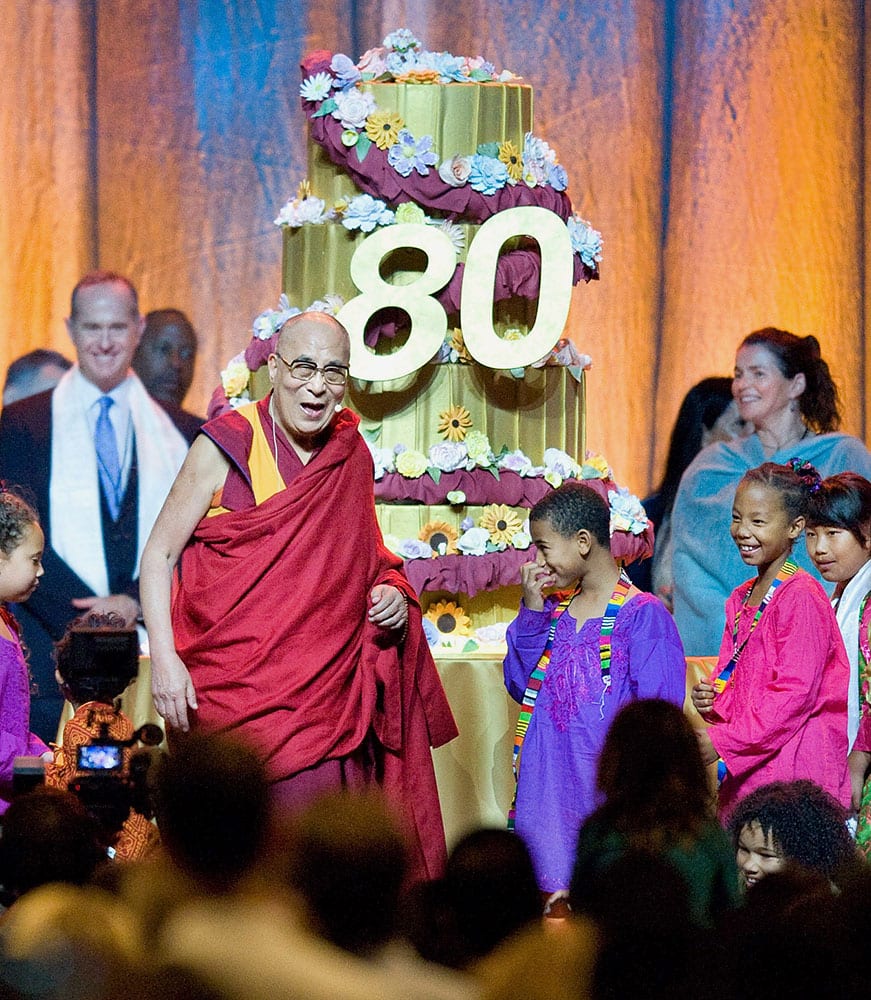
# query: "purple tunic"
(16, 740)
(557, 787)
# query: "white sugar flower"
(302, 211)
(316, 88)
(353, 107)
(474, 542)
(627, 514)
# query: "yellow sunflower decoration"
(449, 618)
(501, 522)
(382, 127)
(509, 155)
(454, 422)
(442, 538)
(304, 190)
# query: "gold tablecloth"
(474, 770)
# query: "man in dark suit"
(96, 506)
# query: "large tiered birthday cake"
(437, 227)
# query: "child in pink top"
(777, 702)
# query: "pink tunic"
(783, 714)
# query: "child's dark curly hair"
(573, 507)
(15, 517)
(805, 823)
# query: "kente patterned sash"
(536, 678)
(787, 570)
(863, 827)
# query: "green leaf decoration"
(371, 434)
(494, 472)
(470, 646)
(326, 108)
(364, 144)
(489, 149)
(435, 475)
(518, 373)
(480, 76)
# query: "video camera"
(97, 663)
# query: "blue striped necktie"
(107, 457)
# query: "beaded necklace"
(536, 678)
(787, 570)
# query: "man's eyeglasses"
(304, 371)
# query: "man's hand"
(172, 690)
(387, 607)
(119, 604)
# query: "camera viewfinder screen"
(99, 757)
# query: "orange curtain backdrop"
(717, 144)
(766, 193)
(47, 213)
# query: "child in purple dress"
(21, 545)
(613, 645)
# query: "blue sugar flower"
(345, 72)
(365, 213)
(408, 154)
(487, 175)
(557, 177)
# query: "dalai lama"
(275, 612)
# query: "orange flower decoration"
(509, 155)
(454, 423)
(442, 538)
(449, 618)
(419, 76)
(382, 127)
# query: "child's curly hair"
(804, 822)
(15, 517)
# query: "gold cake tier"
(460, 117)
(544, 409)
(316, 261)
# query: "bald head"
(317, 325)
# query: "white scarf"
(847, 612)
(74, 492)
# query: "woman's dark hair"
(48, 836)
(804, 822)
(15, 517)
(652, 776)
(795, 483)
(843, 501)
(701, 408)
(573, 507)
(487, 893)
(819, 402)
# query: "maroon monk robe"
(270, 616)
